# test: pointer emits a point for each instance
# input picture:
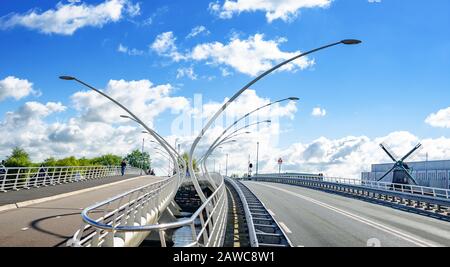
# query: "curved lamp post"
(252, 112)
(133, 116)
(225, 141)
(236, 95)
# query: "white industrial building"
(426, 173)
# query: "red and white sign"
(280, 161)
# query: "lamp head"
(351, 41)
(67, 78)
(294, 98)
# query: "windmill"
(400, 170)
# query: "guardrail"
(263, 229)
(125, 220)
(434, 201)
(34, 177)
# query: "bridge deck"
(317, 219)
(53, 222)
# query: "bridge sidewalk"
(23, 195)
(53, 222)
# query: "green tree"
(69, 161)
(50, 162)
(107, 160)
(19, 158)
(194, 162)
(139, 160)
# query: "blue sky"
(392, 82)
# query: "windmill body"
(401, 171)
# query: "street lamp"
(252, 112)
(132, 116)
(233, 98)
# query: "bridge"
(101, 207)
(108, 209)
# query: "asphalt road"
(317, 219)
(53, 222)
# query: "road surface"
(53, 222)
(313, 218)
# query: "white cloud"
(95, 127)
(348, 156)
(319, 112)
(128, 51)
(142, 97)
(164, 45)
(197, 30)
(65, 19)
(250, 56)
(15, 88)
(439, 119)
(186, 72)
(275, 9)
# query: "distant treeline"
(20, 158)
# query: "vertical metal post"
(142, 155)
(257, 158)
(226, 166)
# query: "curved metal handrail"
(212, 215)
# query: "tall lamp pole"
(222, 109)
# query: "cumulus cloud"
(275, 9)
(186, 72)
(250, 56)
(66, 19)
(143, 98)
(319, 112)
(164, 45)
(440, 119)
(12, 87)
(95, 128)
(347, 156)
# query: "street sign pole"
(280, 162)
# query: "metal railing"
(432, 201)
(127, 219)
(34, 177)
(410, 189)
(263, 230)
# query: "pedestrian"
(2, 167)
(123, 166)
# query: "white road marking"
(285, 228)
(271, 213)
(25, 228)
(379, 226)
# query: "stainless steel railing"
(410, 189)
(126, 219)
(33, 177)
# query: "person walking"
(123, 166)
(2, 167)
